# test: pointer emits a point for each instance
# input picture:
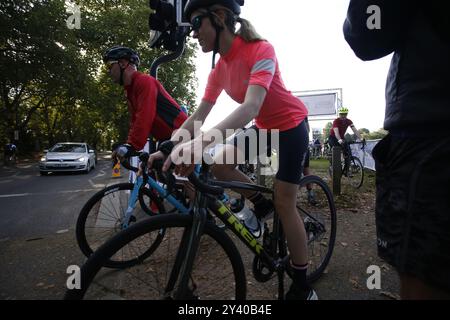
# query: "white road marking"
(45, 193)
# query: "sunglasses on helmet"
(110, 63)
(196, 23)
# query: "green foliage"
(365, 133)
(328, 127)
(53, 87)
(379, 134)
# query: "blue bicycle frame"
(154, 185)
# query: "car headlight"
(82, 159)
(43, 159)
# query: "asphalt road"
(37, 239)
(37, 226)
(34, 206)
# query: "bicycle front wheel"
(218, 271)
(316, 208)
(102, 217)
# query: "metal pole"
(171, 56)
(336, 169)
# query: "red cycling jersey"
(255, 63)
(153, 111)
(342, 125)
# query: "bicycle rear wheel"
(316, 207)
(102, 217)
(355, 173)
(218, 271)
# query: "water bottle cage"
(237, 205)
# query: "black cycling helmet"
(233, 5)
(120, 52)
(192, 5)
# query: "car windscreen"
(78, 148)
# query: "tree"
(364, 132)
(327, 129)
(379, 134)
(37, 61)
(53, 87)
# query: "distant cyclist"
(317, 148)
(153, 111)
(10, 153)
(337, 133)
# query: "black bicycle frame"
(190, 240)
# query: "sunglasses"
(110, 63)
(196, 23)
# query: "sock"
(299, 276)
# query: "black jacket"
(418, 83)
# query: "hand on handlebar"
(115, 158)
(341, 141)
(121, 152)
(158, 155)
(183, 157)
(181, 169)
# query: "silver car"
(68, 156)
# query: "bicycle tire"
(213, 241)
(356, 169)
(319, 218)
(106, 219)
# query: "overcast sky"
(313, 55)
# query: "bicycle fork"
(185, 258)
(132, 202)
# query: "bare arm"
(199, 115)
(245, 113)
(355, 131)
(336, 133)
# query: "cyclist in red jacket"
(153, 111)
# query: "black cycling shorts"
(334, 142)
(413, 206)
(293, 144)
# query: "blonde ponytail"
(247, 31)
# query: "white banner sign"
(365, 155)
(323, 104)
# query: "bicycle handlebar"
(169, 178)
(143, 156)
(193, 178)
(204, 187)
(363, 142)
